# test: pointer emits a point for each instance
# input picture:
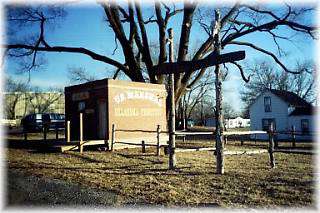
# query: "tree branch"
(82, 50)
(265, 52)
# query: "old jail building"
(135, 108)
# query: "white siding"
(296, 121)
(279, 112)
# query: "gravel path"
(25, 190)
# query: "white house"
(230, 123)
(284, 109)
(237, 122)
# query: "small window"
(267, 104)
(305, 126)
(81, 105)
(267, 122)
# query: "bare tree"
(14, 92)
(80, 75)
(237, 21)
(41, 101)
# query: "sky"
(84, 26)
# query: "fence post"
(225, 139)
(25, 134)
(241, 142)
(293, 129)
(271, 146)
(143, 145)
(113, 135)
(81, 134)
(158, 140)
(68, 131)
(45, 132)
(255, 138)
(57, 132)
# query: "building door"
(102, 126)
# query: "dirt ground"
(31, 191)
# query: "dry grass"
(144, 179)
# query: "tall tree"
(129, 22)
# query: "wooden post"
(113, 136)
(172, 144)
(158, 140)
(293, 129)
(218, 86)
(255, 138)
(225, 140)
(68, 131)
(25, 134)
(45, 132)
(57, 132)
(143, 146)
(81, 133)
(241, 142)
(271, 146)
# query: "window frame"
(269, 120)
(265, 104)
(305, 131)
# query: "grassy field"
(143, 179)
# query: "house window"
(305, 126)
(267, 104)
(266, 122)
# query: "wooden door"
(102, 119)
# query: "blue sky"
(84, 27)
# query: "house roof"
(291, 98)
(302, 111)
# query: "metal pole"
(172, 144)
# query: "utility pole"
(172, 142)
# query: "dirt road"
(25, 190)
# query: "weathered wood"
(57, 131)
(143, 147)
(255, 138)
(195, 149)
(172, 157)
(295, 151)
(218, 89)
(212, 59)
(113, 136)
(68, 131)
(247, 152)
(45, 129)
(293, 129)
(25, 135)
(158, 140)
(181, 133)
(271, 146)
